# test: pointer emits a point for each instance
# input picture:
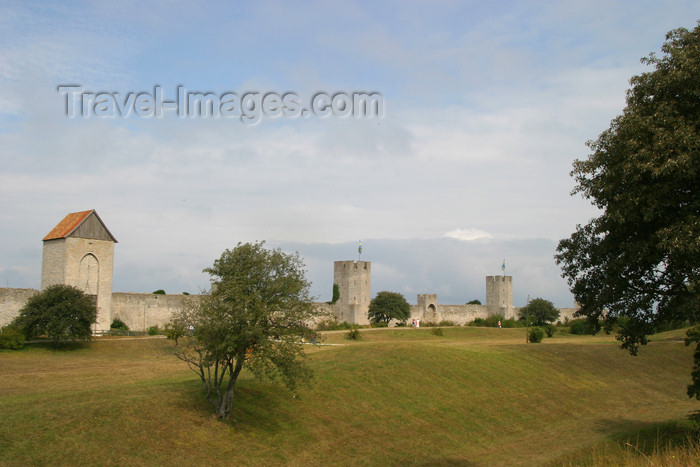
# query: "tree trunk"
(224, 411)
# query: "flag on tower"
(359, 248)
(503, 266)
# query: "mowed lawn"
(474, 396)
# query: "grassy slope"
(397, 397)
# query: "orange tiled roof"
(68, 225)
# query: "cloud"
(467, 235)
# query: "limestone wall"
(11, 301)
(140, 311)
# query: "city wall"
(140, 311)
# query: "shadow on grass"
(256, 406)
(59, 347)
(647, 437)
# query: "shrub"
(477, 322)
(380, 324)
(159, 292)
(474, 302)
(581, 326)
(436, 332)
(353, 334)
(447, 322)
(119, 325)
(153, 331)
(536, 334)
(332, 325)
(11, 338)
(550, 329)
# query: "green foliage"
(387, 306)
(119, 325)
(380, 324)
(550, 329)
(153, 331)
(492, 322)
(336, 294)
(536, 334)
(693, 336)
(332, 325)
(582, 326)
(183, 293)
(60, 312)
(353, 334)
(437, 332)
(641, 258)
(540, 312)
(159, 292)
(447, 322)
(474, 302)
(256, 315)
(11, 338)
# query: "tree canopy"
(387, 306)
(641, 257)
(539, 312)
(60, 312)
(256, 315)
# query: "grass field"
(475, 396)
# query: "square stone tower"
(499, 296)
(353, 279)
(79, 251)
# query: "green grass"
(474, 396)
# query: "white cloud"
(467, 235)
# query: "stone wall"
(11, 301)
(141, 311)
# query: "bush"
(436, 332)
(536, 334)
(477, 322)
(119, 325)
(550, 329)
(60, 312)
(353, 334)
(581, 326)
(11, 338)
(447, 322)
(380, 324)
(153, 331)
(332, 325)
(159, 292)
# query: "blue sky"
(487, 104)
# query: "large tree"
(387, 306)
(60, 312)
(641, 257)
(256, 316)
(539, 312)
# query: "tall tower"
(353, 279)
(79, 251)
(499, 296)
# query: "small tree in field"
(387, 306)
(256, 316)
(540, 312)
(61, 312)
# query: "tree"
(61, 312)
(256, 316)
(641, 257)
(474, 302)
(387, 306)
(540, 312)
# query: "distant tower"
(499, 296)
(427, 303)
(353, 279)
(79, 251)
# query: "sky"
(484, 108)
